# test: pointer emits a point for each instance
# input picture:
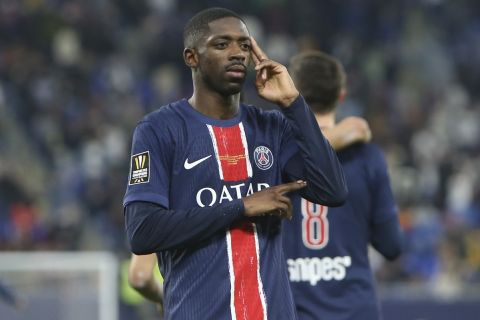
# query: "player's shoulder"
(164, 122)
(165, 113)
(164, 117)
(370, 153)
(264, 115)
(369, 149)
(373, 151)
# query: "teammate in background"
(327, 248)
(141, 277)
(209, 177)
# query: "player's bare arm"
(272, 200)
(273, 82)
(347, 132)
(141, 277)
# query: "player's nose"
(237, 52)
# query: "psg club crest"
(263, 157)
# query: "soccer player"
(141, 277)
(209, 177)
(327, 248)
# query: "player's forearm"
(151, 290)
(152, 228)
(318, 163)
(349, 131)
(339, 139)
(387, 238)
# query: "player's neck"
(214, 105)
(326, 120)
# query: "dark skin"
(219, 64)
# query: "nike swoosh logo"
(187, 165)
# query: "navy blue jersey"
(182, 159)
(327, 248)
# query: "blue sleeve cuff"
(235, 208)
(299, 102)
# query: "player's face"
(224, 55)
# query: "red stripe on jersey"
(231, 153)
(247, 297)
(247, 287)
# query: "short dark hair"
(197, 26)
(319, 77)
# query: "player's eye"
(221, 45)
(245, 46)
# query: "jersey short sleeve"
(149, 175)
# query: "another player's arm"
(387, 238)
(141, 277)
(386, 234)
(348, 131)
(151, 227)
(316, 162)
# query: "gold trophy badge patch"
(140, 168)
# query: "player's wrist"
(288, 100)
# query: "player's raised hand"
(273, 82)
(272, 200)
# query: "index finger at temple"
(255, 59)
(257, 52)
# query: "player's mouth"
(236, 70)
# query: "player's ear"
(190, 57)
(342, 94)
